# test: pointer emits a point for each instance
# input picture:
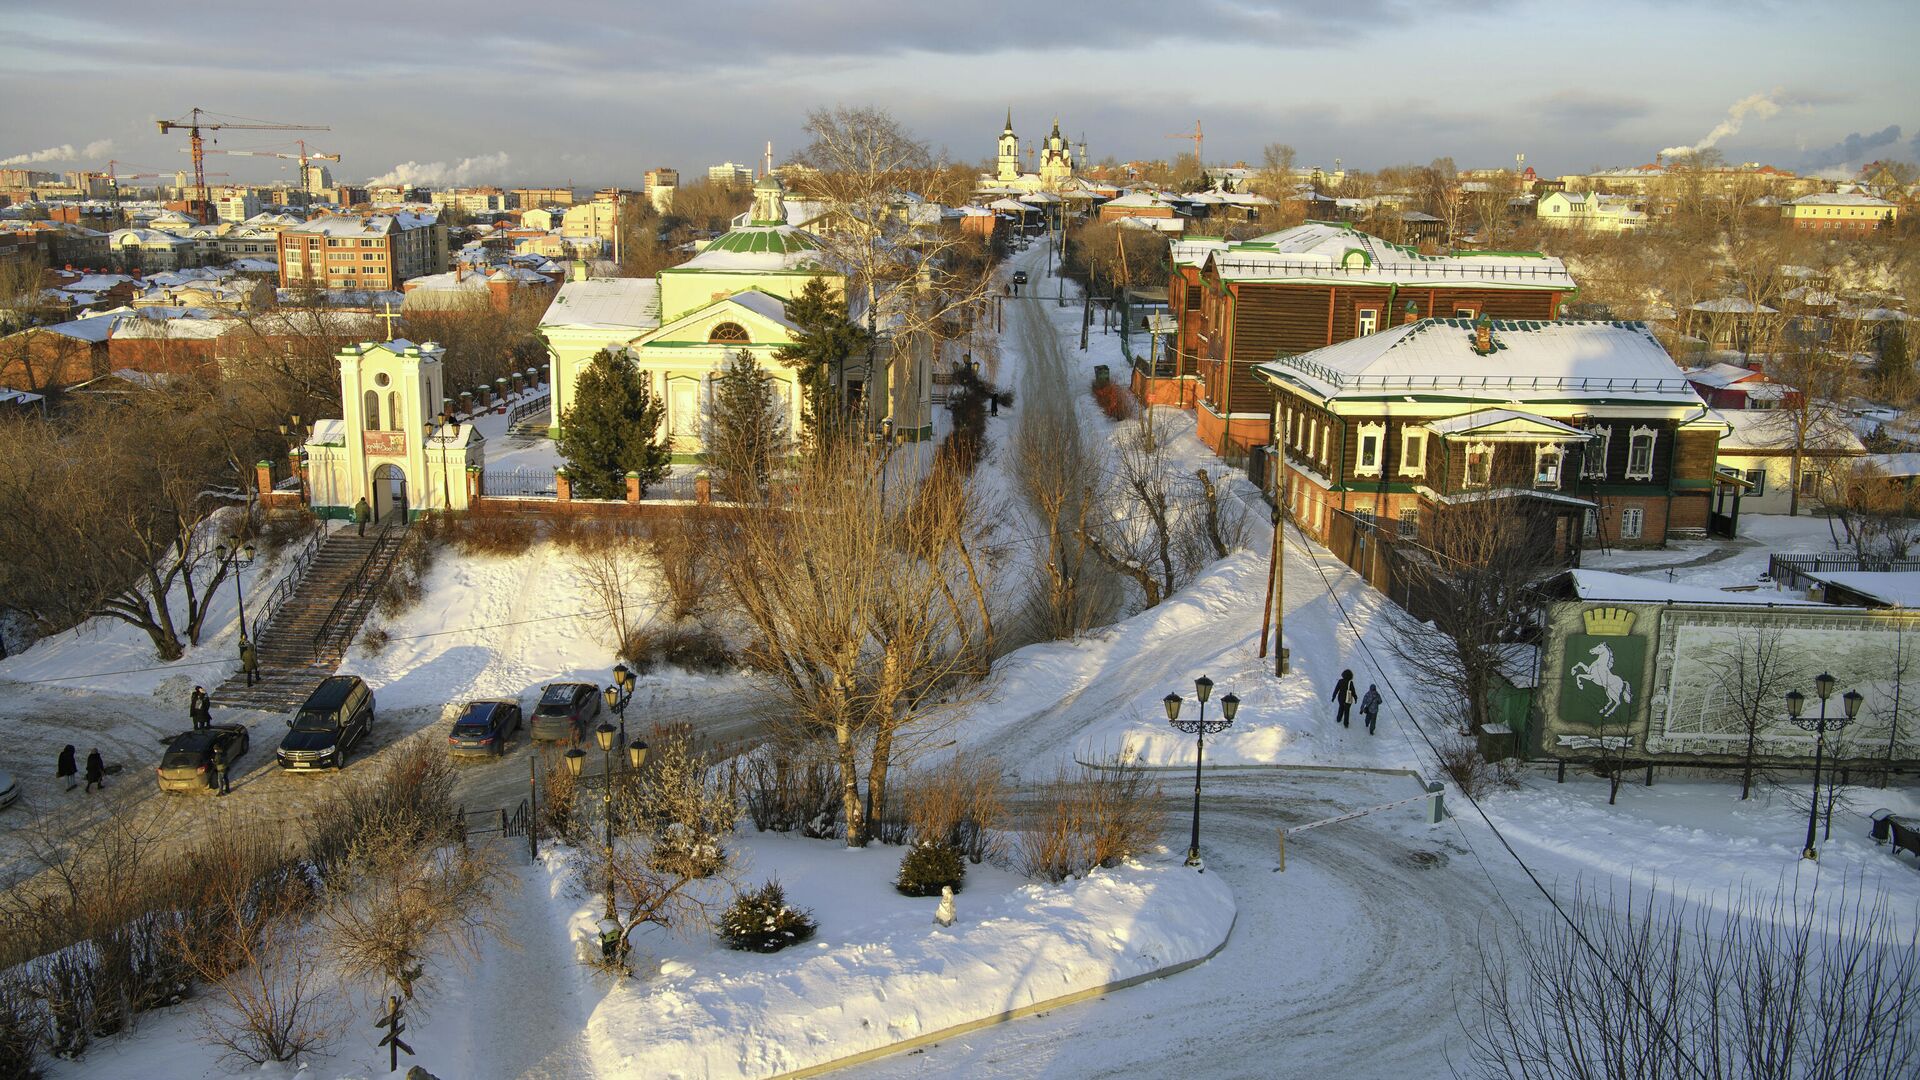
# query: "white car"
(9, 790)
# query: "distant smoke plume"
(1853, 150)
(436, 174)
(63, 152)
(1757, 106)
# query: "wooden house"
(1241, 304)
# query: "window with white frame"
(1546, 467)
(1593, 460)
(1373, 439)
(1810, 482)
(1413, 450)
(1640, 454)
(1633, 520)
(1479, 464)
(1758, 478)
(1590, 524)
(1369, 321)
(1326, 435)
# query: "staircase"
(310, 632)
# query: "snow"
(1891, 587)
(1602, 585)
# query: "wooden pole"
(1273, 574)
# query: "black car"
(190, 761)
(1019, 277)
(337, 715)
(484, 728)
(565, 712)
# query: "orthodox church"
(1056, 163)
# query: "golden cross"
(390, 318)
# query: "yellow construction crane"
(201, 120)
(1198, 138)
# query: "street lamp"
(619, 695)
(1796, 703)
(237, 557)
(1200, 727)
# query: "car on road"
(337, 716)
(9, 790)
(483, 728)
(189, 763)
(565, 713)
(1019, 277)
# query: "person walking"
(96, 771)
(220, 763)
(201, 709)
(1370, 706)
(1344, 696)
(64, 769)
(361, 512)
(249, 662)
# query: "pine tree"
(827, 340)
(746, 431)
(609, 431)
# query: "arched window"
(728, 333)
(393, 410)
(370, 408)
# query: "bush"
(1095, 816)
(961, 805)
(1114, 400)
(281, 529)
(788, 795)
(22, 1030)
(1460, 762)
(761, 921)
(684, 801)
(929, 865)
(480, 533)
(697, 649)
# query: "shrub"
(281, 529)
(481, 533)
(682, 547)
(785, 794)
(1114, 401)
(1092, 816)
(1460, 762)
(961, 804)
(684, 801)
(929, 865)
(761, 921)
(22, 1029)
(697, 649)
(375, 641)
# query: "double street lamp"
(619, 696)
(1796, 703)
(237, 557)
(1200, 727)
(576, 761)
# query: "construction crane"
(1198, 138)
(302, 157)
(113, 180)
(201, 120)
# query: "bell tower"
(1008, 166)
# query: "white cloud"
(435, 174)
(64, 152)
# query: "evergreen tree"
(609, 431)
(746, 431)
(827, 340)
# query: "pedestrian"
(96, 771)
(64, 769)
(1344, 696)
(1370, 706)
(361, 512)
(249, 662)
(220, 763)
(201, 709)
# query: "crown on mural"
(1608, 621)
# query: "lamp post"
(238, 557)
(576, 759)
(619, 695)
(1796, 703)
(1199, 727)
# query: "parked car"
(9, 790)
(337, 715)
(1019, 277)
(566, 712)
(484, 728)
(188, 764)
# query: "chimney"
(1483, 335)
(1412, 315)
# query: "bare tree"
(1878, 516)
(1752, 674)
(1162, 528)
(1056, 473)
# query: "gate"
(499, 821)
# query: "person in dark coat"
(201, 709)
(96, 771)
(1344, 696)
(220, 763)
(1370, 706)
(249, 661)
(65, 768)
(361, 512)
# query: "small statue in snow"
(944, 913)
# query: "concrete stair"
(348, 566)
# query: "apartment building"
(376, 252)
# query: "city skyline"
(507, 97)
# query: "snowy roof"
(1145, 199)
(1894, 588)
(1154, 224)
(93, 330)
(1014, 205)
(1850, 198)
(1323, 251)
(1774, 429)
(1896, 465)
(1630, 588)
(188, 328)
(1482, 419)
(1733, 305)
(1874, 314)
(624, 303)
(1530, 361)
(1722, 375)
(766, 306)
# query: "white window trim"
(1378, 433)
(1367, 321)
(1413, 451)
(1466, 478)
(1653, 442)
(1638, 516)
(1593, 463)
(1559, 455)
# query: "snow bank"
(880, 972)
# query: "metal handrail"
(350, 595)
(527, 407)
(290, 581)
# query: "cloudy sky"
(595, 92)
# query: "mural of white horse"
(1599, 672)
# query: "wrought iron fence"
(1793, 571)
(537, 403)
(520, 483)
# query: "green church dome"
(769, 239)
